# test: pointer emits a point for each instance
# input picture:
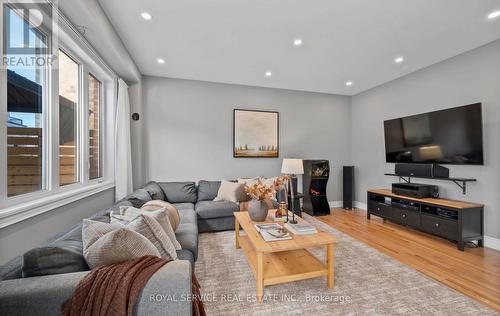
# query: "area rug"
(367, 282)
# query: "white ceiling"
(237, 41)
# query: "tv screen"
(451, 136)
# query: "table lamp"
(292, 167)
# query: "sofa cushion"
(214, 209)
(63, 255)
(155, 191)
(207, 190)
(179, 192)
(13, 269)
(188, 216)
(60, 257)
(187, 236)
(184, 254)
(139, 194)
(184, 206)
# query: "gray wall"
(468, 78)
(20, 237)
(188, 130)
(136, 135)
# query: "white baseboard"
(490, 242)
(360, 205)
(357, 204)
(335, 203)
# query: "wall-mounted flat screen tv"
(451, 136)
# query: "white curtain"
(123, 154)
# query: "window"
(26, 133)
(58, 140)
(69, 72)
(95, 150)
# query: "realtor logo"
(29, 33)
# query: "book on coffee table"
(272, 232)
(301, 228)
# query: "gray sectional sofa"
(41, 280)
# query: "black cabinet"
(315, 180)
(454, 220)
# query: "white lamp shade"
(292, 166)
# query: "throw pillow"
(118, 245)
(270, 182)
(248, 181)
(149, 227)
(124, 215)
(173, 212)
(64, 255)
(93, 230)
(230, 191)
(136, 202)
(128, 214)
(244, 197)
(56, 258)
(154, 190)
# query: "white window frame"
(21, 207)
(79, 167)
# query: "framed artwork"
(255, 134)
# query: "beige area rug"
(367, 282)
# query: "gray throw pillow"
(154, 191)
(207, 190)
(179, 192)
(136, 202)
(59, 257)
(64, 255)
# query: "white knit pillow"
(93, 230)
(149, 227)
(116, 245)
(128, 214)
(229, 191)
(173, 212)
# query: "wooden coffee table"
(283, 261)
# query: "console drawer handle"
(378, 208)
(437, 224)
(404, 215)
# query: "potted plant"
(260, 193)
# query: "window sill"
(20, 212)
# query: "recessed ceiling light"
(399, 60)
(494, 15)
(161, 60)
(269, 74)
(348, 83)
(297, 42)
(146, 16)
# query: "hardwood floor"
(474, 272)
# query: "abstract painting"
(255, 134)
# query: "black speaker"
(422, 170)
(348, 187)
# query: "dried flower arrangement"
(261, 191)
